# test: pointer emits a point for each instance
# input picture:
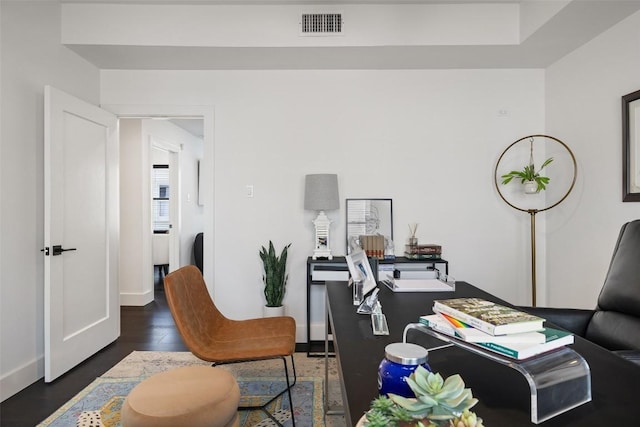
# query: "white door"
(82, 308)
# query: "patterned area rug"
(100, 402)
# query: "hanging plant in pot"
(531, 179)
(275, 279)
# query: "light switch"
(249, 190)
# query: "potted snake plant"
(275, 278)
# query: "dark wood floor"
(142, 328)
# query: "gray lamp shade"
(321, 192)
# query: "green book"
(554, 338)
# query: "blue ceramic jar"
(400, 360)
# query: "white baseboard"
(21, 378)
(136, 299)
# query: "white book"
(492, 318)
(470, 334)
(417, 285)
(418, 274)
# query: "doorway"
(165, 195)
(137, 279)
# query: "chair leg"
(286, 373)
(287, 389)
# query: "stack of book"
(504, 330)
(373, 245)
(423, 251)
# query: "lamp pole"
(532, 212)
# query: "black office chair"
(615, 322)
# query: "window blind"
(161, 193)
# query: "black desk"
(503, 393)
(320, 271)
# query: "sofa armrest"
(630, 355)
(574, 320)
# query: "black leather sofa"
(197, 251)
(615, 322)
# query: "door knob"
(58, 249)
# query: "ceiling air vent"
(321, 24)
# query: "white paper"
(418, 285)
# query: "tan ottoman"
(191, 396)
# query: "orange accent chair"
(211, 336)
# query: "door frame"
(205, 112)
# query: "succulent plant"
(438, 403)
(400, 414)
(386, 406)
(382, 404)
(436, 399)
(385, 413)
(466, 419)
(376, 418)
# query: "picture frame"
(368, 217)
(360, 270)
(631, 147)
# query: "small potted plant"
(532, 180)
(438, 403)
(275, 278)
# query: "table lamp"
(321, 194)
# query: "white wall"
(427, 139)
(278, 25)
(132, 221)
(32, 57)
(583, 106)
(136, 282)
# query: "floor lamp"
(532, 212)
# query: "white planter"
(530, 187)
(272, 311)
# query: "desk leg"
(327, 409)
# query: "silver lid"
(406, 353)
